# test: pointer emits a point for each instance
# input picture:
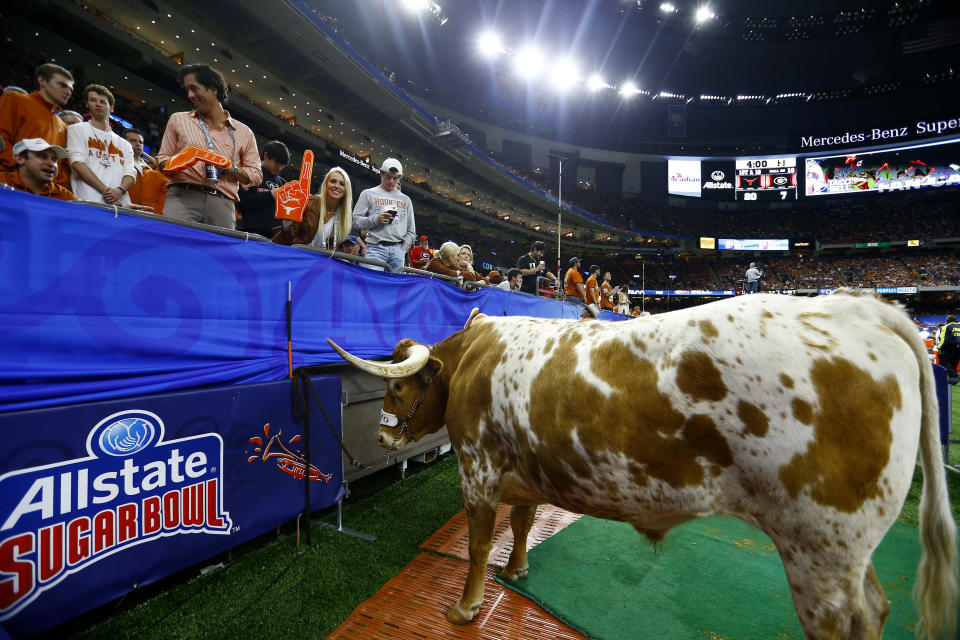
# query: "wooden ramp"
(411, 606)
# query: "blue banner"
(676, 120)
(98, 498)
(97, 305)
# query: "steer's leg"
(521, 519)
(481, 516)
(835, 595)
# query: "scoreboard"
(766, 179)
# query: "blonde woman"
(328, 217)
(465, 258)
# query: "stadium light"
(666, 7)
(564, 74)
(704, 13)
(596, 82)
(490, 44)
(528, 62)
(628, 89)
(415, 5)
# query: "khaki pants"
(195, 206)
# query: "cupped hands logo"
(717, 175)
(131, 432)
(292, 463)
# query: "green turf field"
(275, 589)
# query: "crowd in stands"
(480, 250)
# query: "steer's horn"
(417, 356)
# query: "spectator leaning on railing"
(36, 169)
(200, 192)
(513, 282)
(445, 261)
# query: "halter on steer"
(390, 420)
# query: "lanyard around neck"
(210, 145)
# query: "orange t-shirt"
(31, 116)
(572, 278)
(593, 291)
(150, 190)
(606, 301)
(13, 179)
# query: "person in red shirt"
(36, 169)
(573, 281)
(35, 115)
(592, 288)
(421, 254)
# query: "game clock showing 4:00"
(766, 179)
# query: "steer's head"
(414, 405)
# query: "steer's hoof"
(461, 614)
(515, 574)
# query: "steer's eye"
(396, 387)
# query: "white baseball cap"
(38, 144)
(392, 165)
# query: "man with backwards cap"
(387, 214)
(573, 281)
(36, 162)
(420, 255)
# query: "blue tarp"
(96, 305)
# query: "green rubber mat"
(716, 579)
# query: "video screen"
(683, 178)
(717, 179)
(746, 244)
(890, 170)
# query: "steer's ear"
(431, 369)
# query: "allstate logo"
(717, 176)
(126, 433)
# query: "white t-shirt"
(109, 156)
(505, 285)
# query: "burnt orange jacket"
(31, 116)
(13, 179)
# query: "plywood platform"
(412, 605)
(452, 539)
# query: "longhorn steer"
(800, 416)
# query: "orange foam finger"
(182, 160)
(306, 169)
(291, 201)
(211, 157)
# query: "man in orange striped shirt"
(35, 116)
(192, 193)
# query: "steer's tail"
(936, 591)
